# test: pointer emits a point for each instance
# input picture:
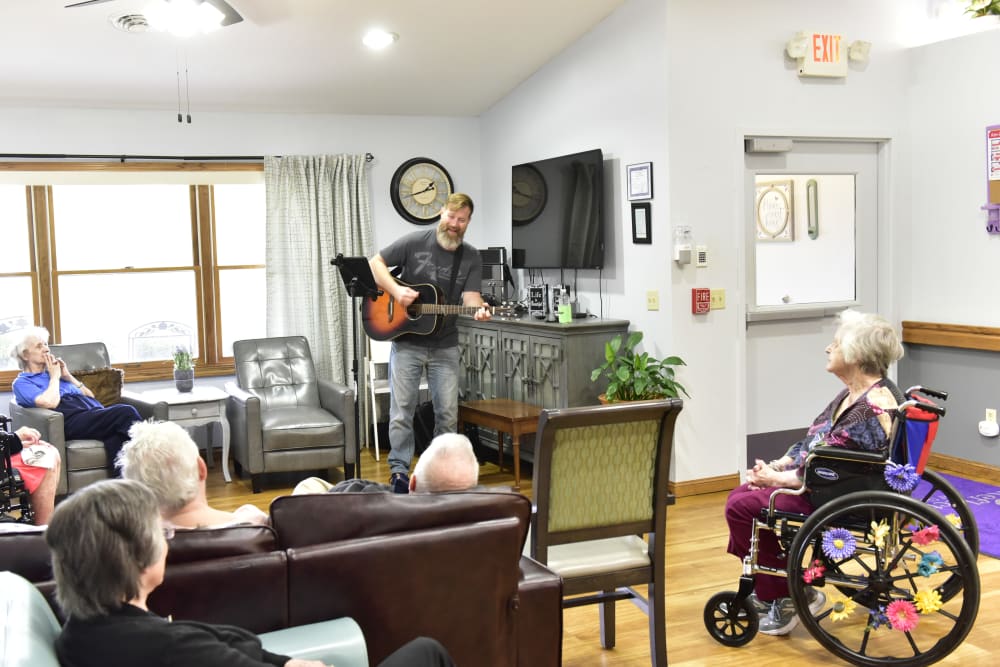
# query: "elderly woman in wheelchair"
(828, 537)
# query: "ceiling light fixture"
(183, 18)
(377, 39)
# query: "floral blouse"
(864, 425)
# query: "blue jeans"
(407, 363)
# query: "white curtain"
(317, 206)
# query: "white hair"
(162, 456)
(868, 341)
(28, 335)
(448, 464)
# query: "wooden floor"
(697, 568)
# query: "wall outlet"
(991, 415)
(718, 299)
(652, 300)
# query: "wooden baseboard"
(696, 487)
(963, 467)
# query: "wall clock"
(528, 193)
(419, 189)
(774, 211)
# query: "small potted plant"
(982, 8)
(183, 369)
(634, 376)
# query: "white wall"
(605, 91)
(454, 142)
(952, 270)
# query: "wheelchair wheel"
(886, 603)
(728, 623)
(943, 496)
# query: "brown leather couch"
(447, 566)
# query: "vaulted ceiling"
(453, 57)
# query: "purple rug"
(984, 501)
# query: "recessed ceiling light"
(378, 39)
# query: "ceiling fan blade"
(231, 15)
(86, 2)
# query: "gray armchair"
(84, 461)
(282, 417)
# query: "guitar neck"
(442, 309)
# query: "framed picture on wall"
(773, 211)
(642, 230)
(640, 180)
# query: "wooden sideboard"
(533, 361)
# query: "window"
(142, 259)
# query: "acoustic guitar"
(385, 319)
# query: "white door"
(812, 250)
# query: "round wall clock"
(419, 188)
(528, 193)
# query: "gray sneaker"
(781, 617)
(758, 606)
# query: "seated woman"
(45, 382)
(859, 417)
(109, 553)
(40, 481)
(163, 456)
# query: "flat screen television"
(557, 216)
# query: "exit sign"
(826, 55)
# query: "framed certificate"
(640, 180)
(642, 231)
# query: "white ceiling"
(453, 57)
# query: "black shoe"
(400, 482)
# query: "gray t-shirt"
(423, 260)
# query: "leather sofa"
(30, 629)
(447, 566)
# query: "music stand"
(359, 282)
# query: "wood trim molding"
(952, 335)
(696, 487)
(962, 467)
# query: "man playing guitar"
(437, 257)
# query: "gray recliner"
(83, 461)
(284, 418)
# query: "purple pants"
(742, 507)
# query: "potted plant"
(983, 8)
(636, 377)
(183, 369)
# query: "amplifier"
(493, 255)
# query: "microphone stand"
(358, 280)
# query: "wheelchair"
(897, 565)
(14, 497)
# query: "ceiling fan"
(231, 16)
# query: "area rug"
(984, 501)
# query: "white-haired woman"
(858, 417)
(163, 456)
(45, 382)
(109, 552)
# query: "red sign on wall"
(701, 300)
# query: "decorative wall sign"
(642, 231)
(773, 211)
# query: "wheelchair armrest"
(842, 454)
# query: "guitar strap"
(454, 274)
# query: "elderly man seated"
(163, 456)
(448, 464)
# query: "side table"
(201, 406)
(505, 416)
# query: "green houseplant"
(634, 376)
(983, 7)
(183, 369)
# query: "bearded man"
(437, 257)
